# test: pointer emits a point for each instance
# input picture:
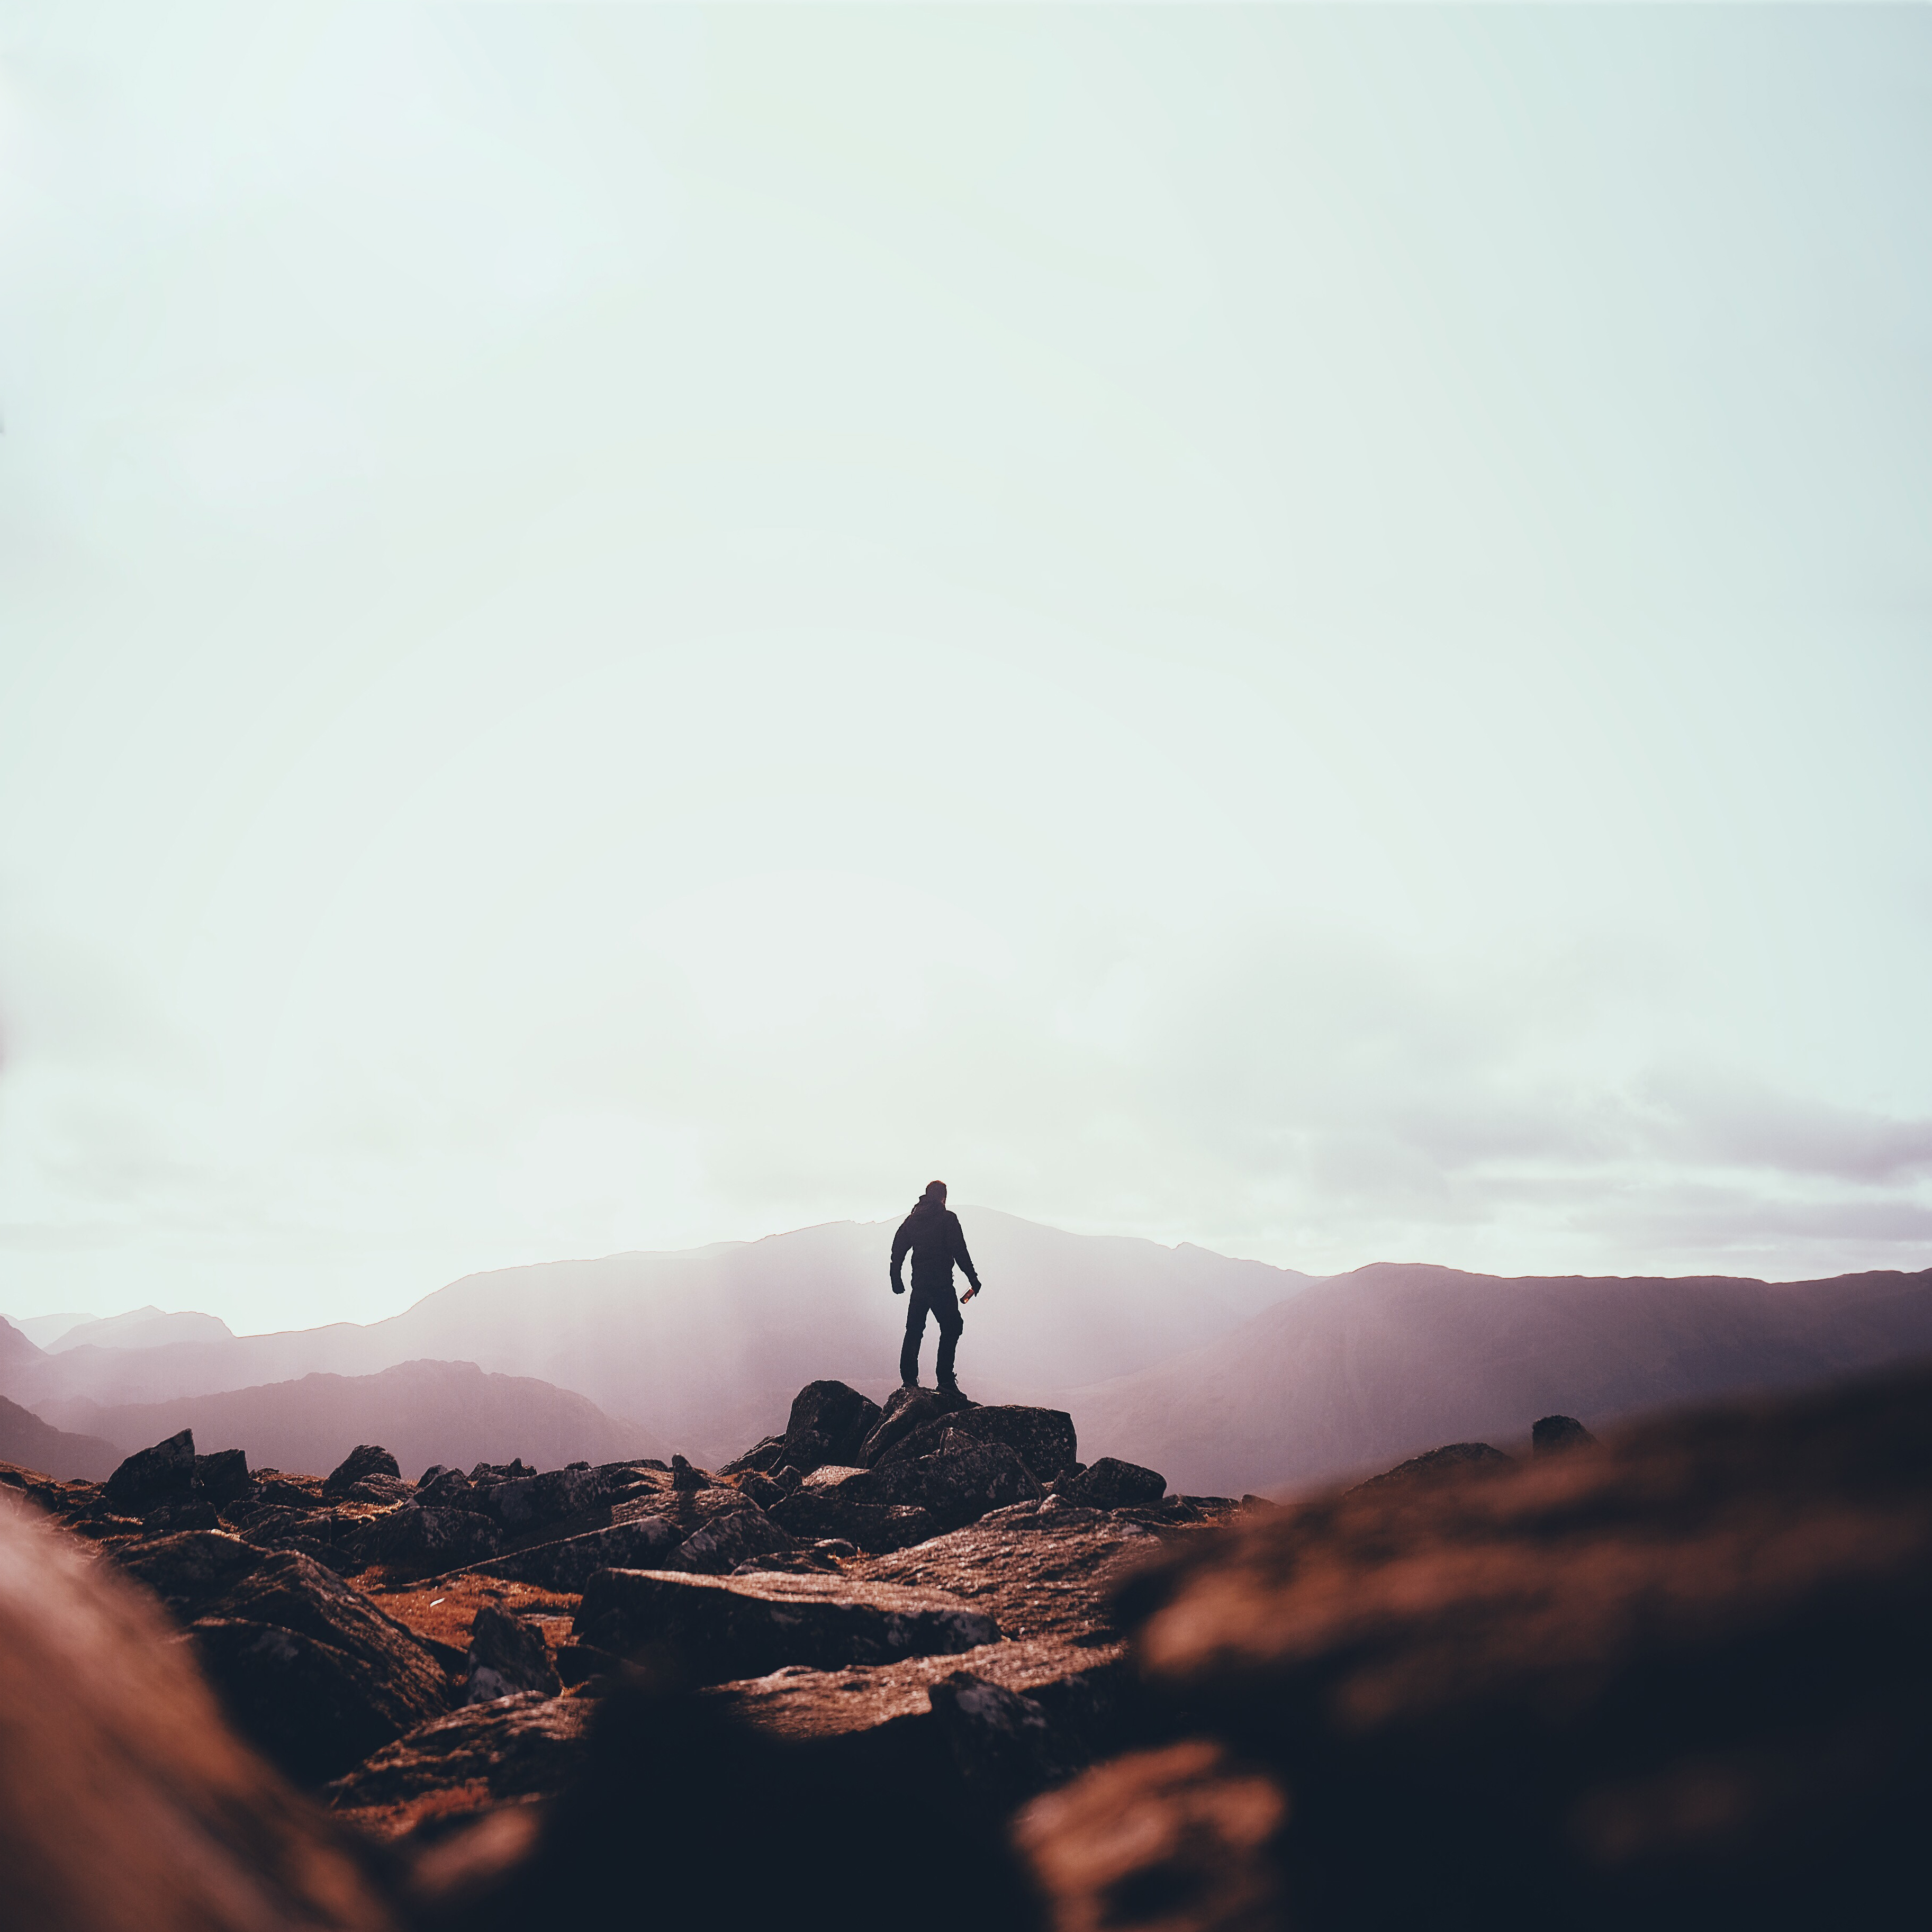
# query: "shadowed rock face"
(1682, 1681)
(126, 1804)
(1452, 1459)
(1111, 1483)
(1042, 1438)
(719, 1628)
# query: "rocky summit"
(920, 1651)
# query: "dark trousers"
(941, 1299)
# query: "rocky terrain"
(920, 1657)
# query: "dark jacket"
(934, 1238)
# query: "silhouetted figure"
(932, 1235)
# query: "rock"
(721, 1627)
(1110, 1483)
(127, 1803)
(429, 1474)
(508, 1655)
(310, 1670)
(1681, 1680)
(1042, 1438)
(761, 1489)
(181, 1513)
(1184, 1838)
(764, 1458)
(730, 1538)
(446, 1488)
(1048, 1572)
(906, 1409)
(836, 1417)
(149, 1475)
(360, 1462)
(514, 1471)
(959, 1485)
(428, 1539)
(1252, 1503)
(521, 1746)
(190, 1571)
(819, 1513)
(1009, 1717)
(1554, 1434)
(1454, 1459)
(683, 1476)
(648, 1543)
(222, 1476)
(532, 1501)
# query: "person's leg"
(915, 1333)
(946, 1308)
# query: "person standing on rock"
(931, 1234)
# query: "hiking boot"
(953, 1392)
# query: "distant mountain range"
(27, 1440)
(1365, 1369)
(707, 1347)
(422, 1412)
(1226, 1375)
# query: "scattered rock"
(1554, 1434)
(650, 1543)
(149, 1475)
(521, 1746)
(310, 1670)
(1682, 1680)
(508, 1655)
(1111, 1483)
(222, 1476)
(532, 1501)
(190, 1571)
(1042, 1438)
(359, 1464)
(720, 1627)
(730, 1538)
(427, 1539)
(683, 1476)
(1454, 1459)
(181, 1513)
(1181, 1838)
(959, 1484)
(126, 1804)
(820, 1513)
(828, 1423)
(445, 1488)
(762, 1490)
(906, 1408)
(1253, 1503)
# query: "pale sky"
(1306, 631)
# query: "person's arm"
(902, 1241)
(959, 1253)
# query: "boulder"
(190, 1571)
(520, 1746)
(528, 1502)
(815, 1514)
(906, 1408)
(445, 1488)
(834, 1418)
(127, 1804)
(764, 1458)
(650, 1543)
(958, 1485)
(427, 1539)
(1042, 1438)
(1680, 1680)
(310, 1670)
(763, 1490)
(513, 1471)
(1453, 1459)
(684, 1477)
(362, 1461)
(721, 1627)
(149, 1475)
(1110, 1483)
(1554, 1434)
(508, 1655)
(187, 1511)
(728, 1539)
(222, 1476)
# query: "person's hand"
(968, 1296)
(898, 1288)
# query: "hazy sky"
(1309, 631)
